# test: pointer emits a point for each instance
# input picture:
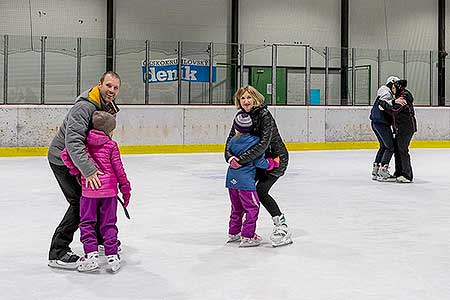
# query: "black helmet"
(401, 84)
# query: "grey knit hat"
(243, 122)
(101, 120)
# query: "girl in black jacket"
(249, 100)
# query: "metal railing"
(50, 70)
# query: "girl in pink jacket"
(104, 152)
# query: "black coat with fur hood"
(270, 144)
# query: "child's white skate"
(234, 238)
(250, 242)
(280, 235)
(114, 263)
(89, 262)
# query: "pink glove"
(234, 162)
(276, 161)
(273, 163)
(126, 199)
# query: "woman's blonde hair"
(258, 98)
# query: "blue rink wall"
(28, 129)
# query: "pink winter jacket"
(104, 152)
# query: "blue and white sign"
(165, 70)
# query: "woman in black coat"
(249, 100)
(404, 125)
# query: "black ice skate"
(68, 261)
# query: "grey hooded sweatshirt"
(73, 132)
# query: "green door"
(261, 79)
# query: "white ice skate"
(114, 263)
(89, 262)
(384, 175)
(234, 238)
(280, 235)
(403, 179)
(250, 242)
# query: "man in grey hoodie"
(72, 135)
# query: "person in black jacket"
(248, 99)
(381, 123)
(404, 124)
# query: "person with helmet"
(381, 123)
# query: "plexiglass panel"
(24, 70)
(366, 76)
(418, 76)
(334, 77)
(391, 62)
(2, 70)
(165, 89)
(60, 70)
(130, 56)
(258, 58)
(93, 62)
(293, 58)
(194, 91)
(227, 68)
(73, 65)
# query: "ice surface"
(353, 238)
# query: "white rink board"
(34, 126)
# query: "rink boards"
(28, 129)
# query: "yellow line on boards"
(202, 148)
(23, 151)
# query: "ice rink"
(353, 238)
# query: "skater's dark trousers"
(264, 183)
(63, 235)
(386, 139)
(402, 157)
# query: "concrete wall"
(84, 18)
(308, 21)
(399, 24)
(34, 126)
(159, 20)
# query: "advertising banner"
(166, 70)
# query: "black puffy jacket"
(404, 117)
(270, 144)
